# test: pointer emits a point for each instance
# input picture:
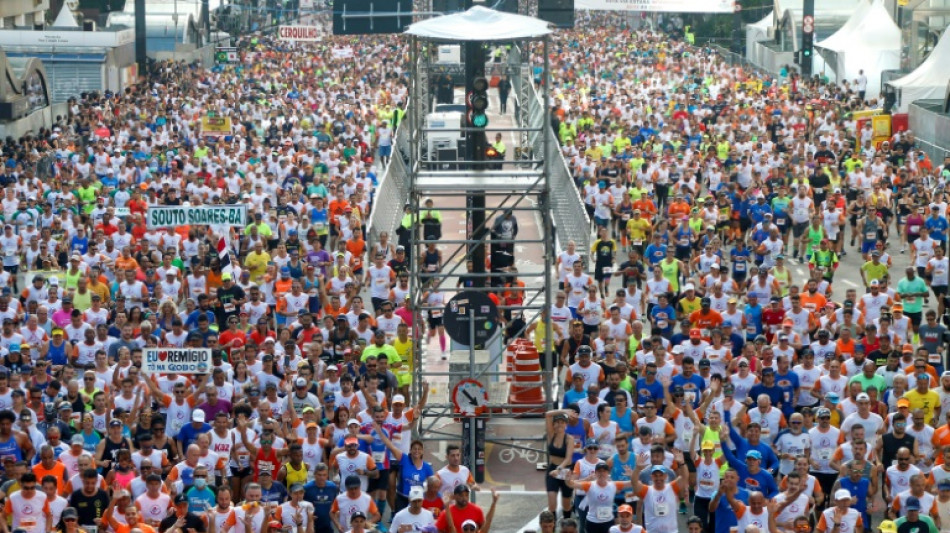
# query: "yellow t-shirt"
(256, 264)
(926, 402)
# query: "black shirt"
(192, 521)
(913, 527)
(89, 508)
(890, 444)
(227, 308)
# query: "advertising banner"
(171, 216)
(300, 33)
(177, 360)
(671, 6)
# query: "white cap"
(469, 523)
(863, 397)
(689, 287)
(399, 398)
(842, 494)
(416, 493)
(352, 421)
(678, 349)
(198, 416)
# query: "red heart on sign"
(162, 356)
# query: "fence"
(392, 192)
(567, 207)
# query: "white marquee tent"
(929, 80)
(869, 41)
(758, 31)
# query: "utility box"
(444, 132)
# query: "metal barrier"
(567, 206)
(392, 192)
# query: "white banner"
(171, 216)
(672, 6)
(177, 360)
(300, 33)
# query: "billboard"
(177, 360)
(299, 33)
(671, 6)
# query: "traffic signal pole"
(808, 37)
(475, 144)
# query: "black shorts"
(556, 485)
(12, 269)
(241, 472)
(435, 321)
(939, 290)
(914, 317)
(799, 229)
(690, 465)
(381, 482)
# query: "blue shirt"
(189, 435)
(573, 396)
(200, 500)
(322, 499)
(788, 383)
(775, 394)
(410, 476)
(938, 227)
(761, 481)
(725, 517)
(276, 493)
(769, 459)
(655, 253)
(667, 314)
(646, 392)
(694, 383)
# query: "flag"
(224, 254)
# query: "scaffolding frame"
(520, 184)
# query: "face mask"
(201, 483)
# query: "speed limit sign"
(808, 24)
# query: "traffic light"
(478, 103)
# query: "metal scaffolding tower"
(517, 185)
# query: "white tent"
(65, 19)
(929, 80)
(872, 44)
(479, 24)
(758, 31)
(840, 37)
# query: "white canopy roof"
(840, 37)
(870, 42)
(479, 24)
(65, 19)
(929, 80)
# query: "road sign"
(226, 54)
(457, 318)
(808, 24)
(469, 397)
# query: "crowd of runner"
(700, 375)
(706, 376)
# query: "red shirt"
(470, 512)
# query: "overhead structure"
(758, 31)
(670, 6)
(870, 42)
(929, 80)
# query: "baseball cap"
(399, 398)
(832, 397)
(845, 494)
(198, 416)
(351, 482)
(695, 333)
(863, 397)
(416, 493)
(753, 454)
(624, 509)
(300, 382)
(912, 503)
(823, 411)
(903, 402)
(459, 489)
(708, 445)
(907, 348)
(352, 421)
(350, 440)
(887, 526)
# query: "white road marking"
(850, 283)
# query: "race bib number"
(661, 324)
(871, 235)
(661, 509)
(914, 229)
(934, 358)
(740, 267)
(605, 513)
(939, 272)
(381, 282)
(625, 217)
(244, 459)
(688, 434)
(379, 457)
(780, 222)
(684, 242)
(824, 455)
(638, 242)
(606, 271)
(228, 308)
(319, 226)
(435, 313)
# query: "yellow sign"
(215, 126)
(881, 126)
(903, 3)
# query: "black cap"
(459, 489)
(351, 482)
(181, 498)
(357, 514)
(70, 512)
